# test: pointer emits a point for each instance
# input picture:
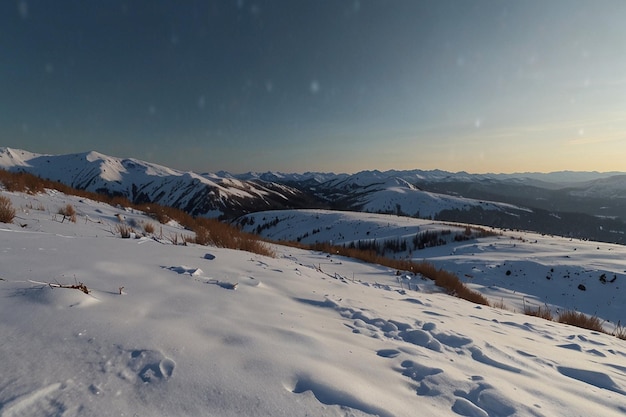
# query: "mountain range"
(589, 205)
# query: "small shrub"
(574, 318)
(124, 230)
(203, 236)
(7, 212)
(148, 228)
(68, 212)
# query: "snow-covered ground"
(303, 334)
(515, 267)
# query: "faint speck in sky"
(201, 102)
(22, 9)
(314, 86)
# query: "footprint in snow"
(148, 366)
(483, 400)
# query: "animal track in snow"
(476, 398)
(148, 366)
(483, 400)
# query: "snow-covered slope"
(303, 334)
(205, 195)
(396, 195)
(513, 266)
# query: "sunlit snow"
(163, 333)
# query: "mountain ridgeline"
(586, 205)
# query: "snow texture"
(301, 334)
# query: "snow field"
(300, 334)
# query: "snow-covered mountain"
(205, 195)
(214, 194)
(162, 333)
(593, 208)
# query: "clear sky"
(319, 85)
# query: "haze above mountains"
(589, 205)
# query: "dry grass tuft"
(124, 230)
(544, 313)
(216, 233)
(574, 318)
(68, 212)
(7, 212)
(148, 227)
(21, 182)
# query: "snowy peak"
(14, 157)
(139, 181)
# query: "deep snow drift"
(303, 334)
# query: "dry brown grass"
(216, 233)
(7, 212)
(148, 228)
(21, 182)
(207, 231)
(68, 212)
(544, 313)
(444, 279)
(575, 318)
(499, 304)
(124, 230)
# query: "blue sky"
(342, 86)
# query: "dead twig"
(77, 286)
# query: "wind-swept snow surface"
(200, 331)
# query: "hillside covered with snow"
(203, 331)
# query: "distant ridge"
(140, 181)
(587, 205)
